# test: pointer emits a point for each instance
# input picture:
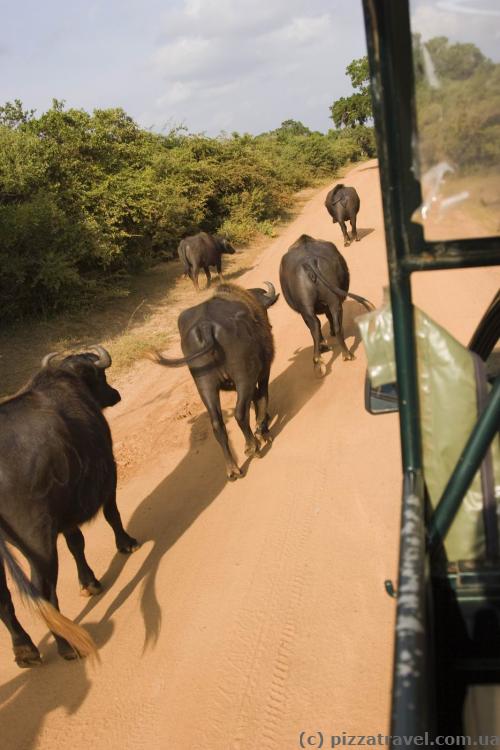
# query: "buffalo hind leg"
(193, 273)
(330, 321)
(89, 585)
(242, 414)
(207, 274)
(212, 404)
(124, 542)
(343, 227)
(354, 231)
(44, 577)
(26, 653)
(337, 316)
(261, 402)
(312, 322)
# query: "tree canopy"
(356, 109)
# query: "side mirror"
(381, 400)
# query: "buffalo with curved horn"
(228, 345)
(57, 470)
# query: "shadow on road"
(176, 503)
(35, 693)
(364, 232)
(161, 518)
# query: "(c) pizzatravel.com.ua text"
(326, 740)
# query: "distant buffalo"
(314, 278)
(203, 250)
(342, 204)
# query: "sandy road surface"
(253, 610)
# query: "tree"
(355, 109)
(12, 114)
(292, 127)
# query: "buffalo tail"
(313, 272)
(62, 626)
(205, 334)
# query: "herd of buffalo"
(57, 468)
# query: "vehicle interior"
(446, 678)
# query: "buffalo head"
(226, 247)
(90, 370)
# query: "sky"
(476, 21)
(212, 65)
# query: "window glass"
(456, 52)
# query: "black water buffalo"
(314, 279)
(203, 250)
(342, 204)
(56, 471)
(228, 345)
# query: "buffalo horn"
(104, 360)
(48, 359)
(271, 291)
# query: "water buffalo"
(203, 250)
(228, 345)
(342, 204)
(314, 279)
(56, 471)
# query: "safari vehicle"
(446, 679)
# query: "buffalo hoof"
(252, 449)
(320, 369)
(348, 356)
(346, 244)
(357, 239)
(91, 589)
(67, 652)
(27, 656)
(127, 545)
(264, 438)
(233, 474)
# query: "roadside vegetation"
(88, 200)
(458, 120)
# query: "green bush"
(86, 198)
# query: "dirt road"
(255, 610)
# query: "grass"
(143, 318)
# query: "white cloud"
(303, 30)
(460, 21)
(188, 54)
(238, 17)
(177, 92)
(235, 64)
(254, 60)
(470, 7)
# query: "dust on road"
(254, 610)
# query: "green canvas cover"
(448, 412)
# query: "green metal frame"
(389, 43)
